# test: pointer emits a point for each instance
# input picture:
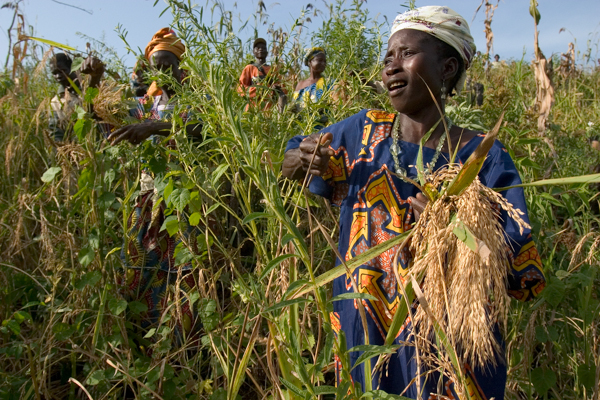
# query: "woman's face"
(60, 72)
(165, 61)
(318, 63)
(411, 65)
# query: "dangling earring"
(443, 90)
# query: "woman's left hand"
(418, 204)
(134, 134)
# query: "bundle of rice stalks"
(460, 249)
(109, 104)
(460, 267)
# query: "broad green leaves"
(543, 379)
(50, 174)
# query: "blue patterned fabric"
(373, 209)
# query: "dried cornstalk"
(544, 97)
(464, 290)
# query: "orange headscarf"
(164, 39)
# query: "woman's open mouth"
(396, 87)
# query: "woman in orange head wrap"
(165, 40)
(151, 272)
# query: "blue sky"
(512, 25)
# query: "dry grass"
(109, 104)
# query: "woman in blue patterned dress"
(429, 49)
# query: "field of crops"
(66, 330)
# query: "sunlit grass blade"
(351, 265)
(473, 165)
(581, 179)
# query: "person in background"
(150, 272)
(361, 164)
(259, 73)
(496, 63)
(311, 89)
(66, 101)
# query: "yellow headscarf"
(164, 39)
(444, 24)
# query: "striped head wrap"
(312, 52)
(444, 24)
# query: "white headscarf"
(444, 24)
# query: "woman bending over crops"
(151, 274)
(364, 171)
(312, 89)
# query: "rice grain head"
(465, 290)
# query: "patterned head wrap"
(167, 40)
(444, 24)
(312, 52)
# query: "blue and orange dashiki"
(373, 209)
(150, 272)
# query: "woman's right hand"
(321, 158)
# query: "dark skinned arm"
(137, 133)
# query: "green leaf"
(95, 377)
(76, 64)
(90, 278)
(50, 174)
(543, 379)
(90, 94)
(255, 215)
(86, 256)
(348, 296)
(540, 334)
(153, 375)
(194, 219)
(137, 307)
(352, 264)
(106, 200)
(13, 325)
(117, 306)
(81, 128)
(325, 389)
(218, 172)
(554, 292)
(371, 350)
(150, 333)
(168, 189)
(22, 316)
(62, 331)
(465, 235)
(285, 303)
(208, 315)
(171, 224)
(292, 387)
(51, 43)
(472, 166)
(179, 198)
(586, 375)
(581, 179)
(275, 262)
(381, 395)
